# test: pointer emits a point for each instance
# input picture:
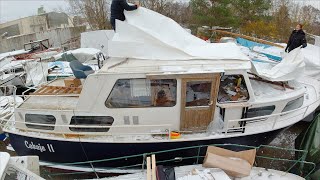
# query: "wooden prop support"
(148, 168)
(151, 168)
(154, 167)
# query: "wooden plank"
(57, 90)
(78, 91)
(40, 90)
(70, 91)
(65, 90)
(154, 167)
(47, 89)
(149, 173)
(248, 38)
(51, 90)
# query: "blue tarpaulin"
(251, 44)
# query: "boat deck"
(264, 90)
(50, 102)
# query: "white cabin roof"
(122, 65)
(140, 46)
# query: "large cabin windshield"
(233, 89)
(137, 93)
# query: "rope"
(186, 158)
(84, 152)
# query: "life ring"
(175, 135)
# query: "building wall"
(16, 42)
(57, 38)
(25, 25)
(33, 24)
(56, 20)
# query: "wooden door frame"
(214, 78)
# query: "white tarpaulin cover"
(291, 67)
(82, 54)
(311, 55)
(148, 35)
(97, 39)
(37, 73)
(317, 41)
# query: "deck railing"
(195, 156)
(272, 118)
(161, 129)
(268, 122)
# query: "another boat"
(19, 167)
(21, 68)
(8, 102)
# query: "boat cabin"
(130, 96)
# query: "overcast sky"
(14, 9)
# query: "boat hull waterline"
(60, 152)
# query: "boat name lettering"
(38, 146)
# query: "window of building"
(198, 93)
(294, 104)
(91, 121)
(138, 93)
(40, 119)
(260, 111)
(233, 88)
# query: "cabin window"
(233, 89)
(260, 111)
(138, 93)
(91, 121)
(294, 104)
(40, 119)
(198, 93)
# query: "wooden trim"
(182, 76)
(183, 104)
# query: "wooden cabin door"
(198, 98)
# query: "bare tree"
(94, 11)
(282, 20)
(178, 11)
(309, 15)
(159, 6)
